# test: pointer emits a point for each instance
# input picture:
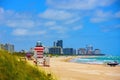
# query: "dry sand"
(75, 71)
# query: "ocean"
(97, 59)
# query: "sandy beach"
(74, 71)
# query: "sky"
(77, 22)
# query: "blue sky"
(76, 22)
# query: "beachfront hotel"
(59, 43)
(97, 51)
(81, 51)
(55, 50)
(58, 48)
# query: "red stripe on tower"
(39, 51)
(39, 48)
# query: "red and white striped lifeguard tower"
(38, 53)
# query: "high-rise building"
(9, 47)
(68, 51)
(74, 52)
(97, 51)
(59, 43)
(2, 46)
(54, 44)
(31, 50)
(81, 51)
(46, 49)
(55, 50)
(89, 49)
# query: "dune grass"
(12, 69)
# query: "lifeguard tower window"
(39, 44)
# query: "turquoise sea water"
(97, 60)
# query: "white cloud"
(78, 27)
(71, 21)
(24, 24)
(105, 30)
(50, 23)
(109, 28)
(20, 32)
(54, 14)
(25, 32)
(1, 10)
(117, 14)
(79, 4)
(20, 23)
(117, 26)
(101, 16)
(41, 32)
(1, 14)
(98, 19)
(18, 19)
(59, 29)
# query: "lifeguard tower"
(38, 53)
(40, 59)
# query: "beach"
(64, 70)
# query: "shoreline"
(68, 58)
(62, 69)
(87, 57)
(65, 70)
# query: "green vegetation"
(12, 69)
(19, 54)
